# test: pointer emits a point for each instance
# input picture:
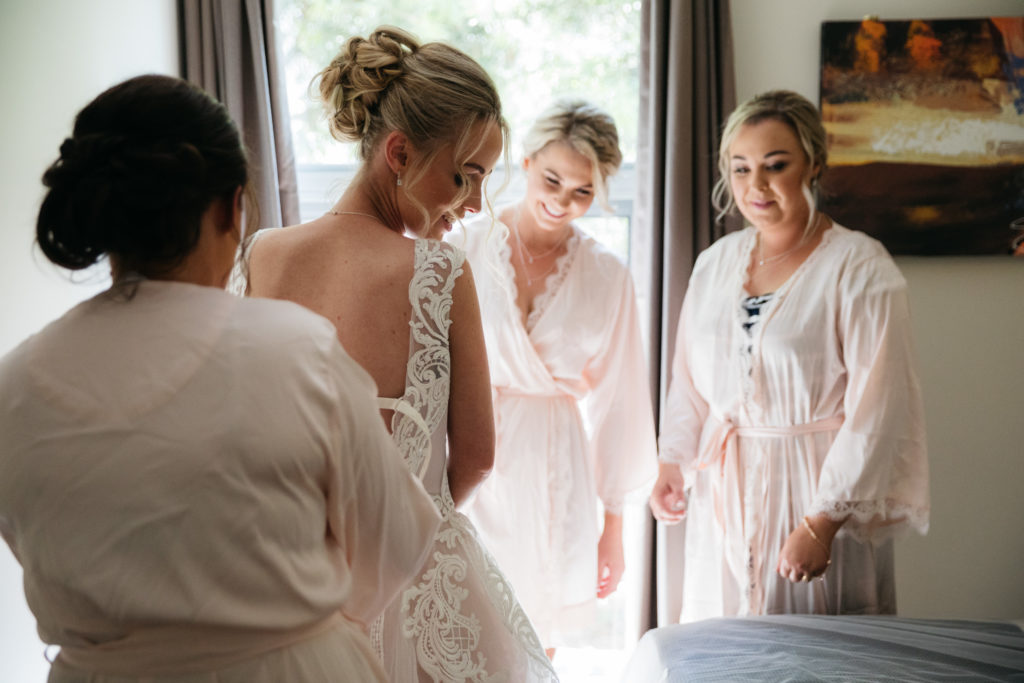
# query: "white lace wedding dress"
(460, 619)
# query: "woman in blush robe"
(197, 486)
(571, 397)
(793, 439)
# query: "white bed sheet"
(829, 648)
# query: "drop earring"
(398, 180)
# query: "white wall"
(57, 55)
(969, 325)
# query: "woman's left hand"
(803, 557)
(611, 561)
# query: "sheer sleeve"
(685, 410)
(378, 513)
(876, 471)
(623, 446)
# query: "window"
(536, 51)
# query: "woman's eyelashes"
(470, 175)
(777, 167)
(555, 183)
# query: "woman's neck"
(777, 239)
(371, 194)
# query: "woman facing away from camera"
(575, 428)
(196, 486)
(428, 123)
(793, 440)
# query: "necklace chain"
(333, 212)
(526, 256)
(533, 257)
(762, 261)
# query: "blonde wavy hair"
(589, 130)
(432, 93)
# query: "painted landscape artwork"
(925, 123)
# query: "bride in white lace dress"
(429, 126)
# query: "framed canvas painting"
(925, 124)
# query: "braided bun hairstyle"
(432, 93)
(146, 158)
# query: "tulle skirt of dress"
(460, 620)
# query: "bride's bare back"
(353, 271)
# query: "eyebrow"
(769, 154)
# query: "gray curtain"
(687, 90)
(229, 49)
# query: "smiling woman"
(575, 430)
(428, 124)
(535, 52)
(806, 454)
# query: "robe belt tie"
(189, 648)
(739, 528)
(507, 392)
(723, 441)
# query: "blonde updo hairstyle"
(790, 108)
(432, 93)
(586, 129)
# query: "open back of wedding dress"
(460, 619)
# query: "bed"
(829, 648)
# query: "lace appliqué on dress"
(460, 592)
(428, 373)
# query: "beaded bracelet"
(810, 530)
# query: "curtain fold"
(229, 49)
(687, 89)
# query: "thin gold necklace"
(761, 260)
(526, 257)
(355, 213)
(533, 257)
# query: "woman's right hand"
(668, 499)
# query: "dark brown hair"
(145, 160)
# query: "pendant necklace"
(525, 256)
(530, 256)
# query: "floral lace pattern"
(428, 373)
(551, 283)
(461, 617)
(873, 518)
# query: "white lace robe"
(572, 413)
(818, 411)
(460, 620)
